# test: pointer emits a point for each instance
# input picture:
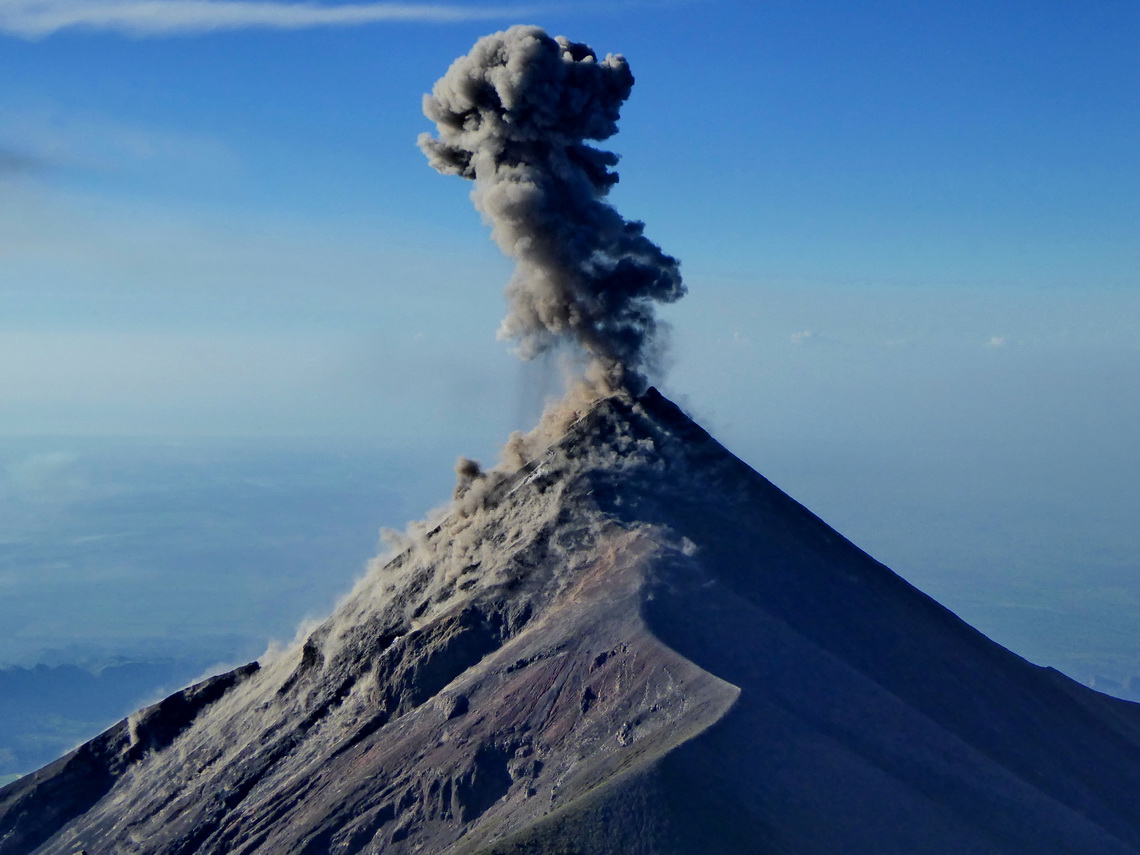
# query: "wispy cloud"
(33, 19)
(46, 140)
(16, 162)
(806, 337)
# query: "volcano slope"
(633, 644)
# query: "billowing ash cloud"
(513, 116)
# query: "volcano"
(632, 644)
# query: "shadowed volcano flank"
(633, 644)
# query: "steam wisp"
(513, 116)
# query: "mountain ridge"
(633, 643)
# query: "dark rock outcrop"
(34, 806)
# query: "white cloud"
(805, 337)
(997, 341)
(32, 19)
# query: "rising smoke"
(513, 116)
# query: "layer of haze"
(908, 237)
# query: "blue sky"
(909, 233)
(214, 223)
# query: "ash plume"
(513, 116)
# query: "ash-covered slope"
(635, 644)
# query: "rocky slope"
(634, 644)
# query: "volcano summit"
(632, 644)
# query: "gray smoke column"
(513, 116)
